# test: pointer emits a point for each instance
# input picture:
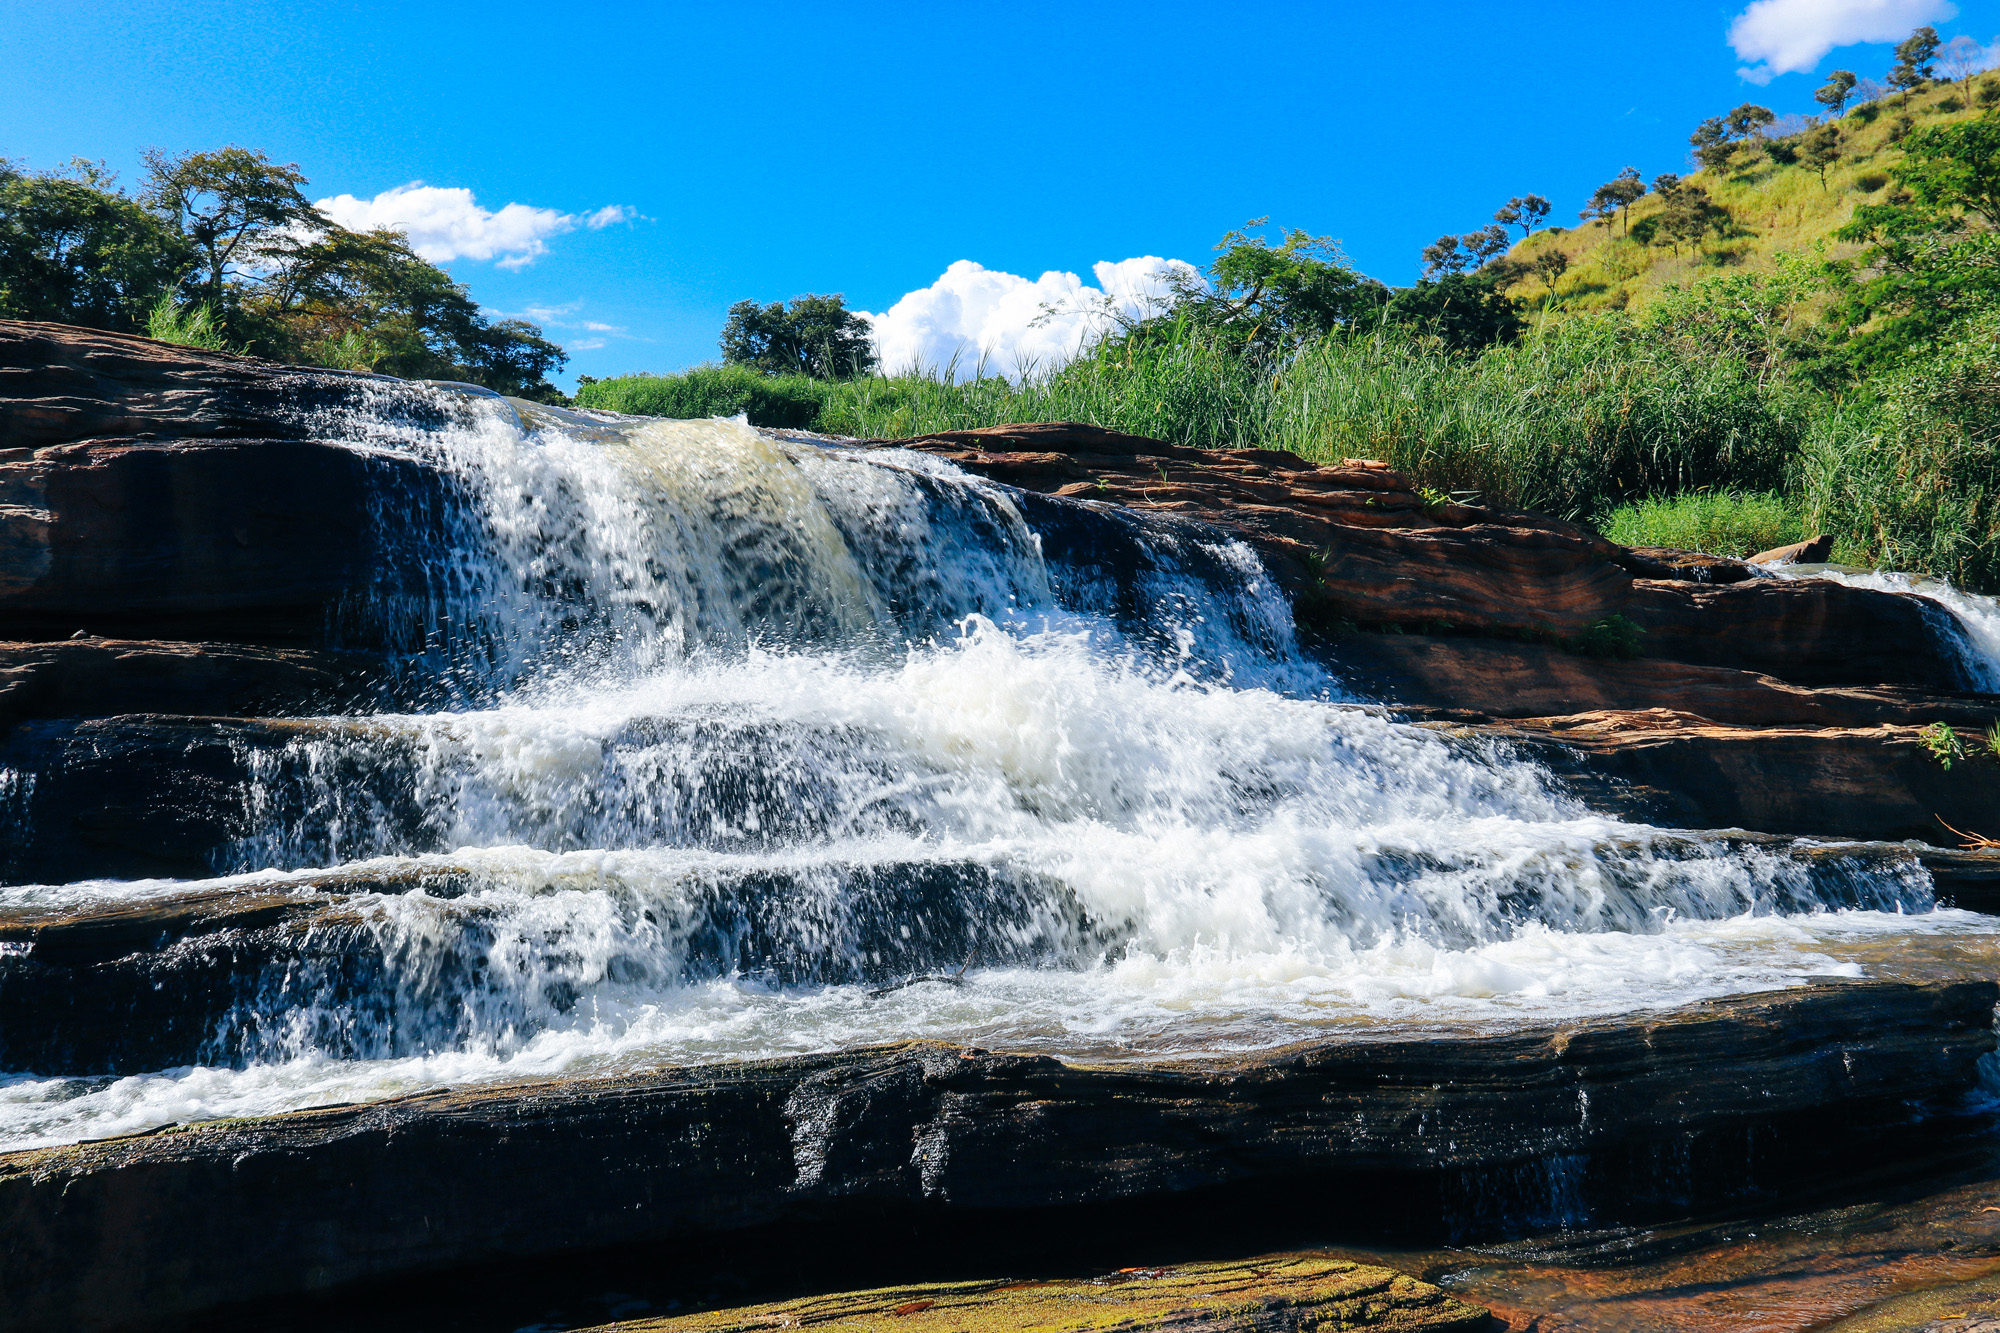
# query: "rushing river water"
(739, 745)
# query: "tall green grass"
(1598, 418)
(1574, 420)
(1716, 522)
(192, 325)
(1580, 416)
(1907, 475)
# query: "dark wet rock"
(1504, 679)
(139, 796)
(1275, 1293)
(98, 677)
(1666, 562)
(1683, 771)
(266, 541)
(235, 973)
(1807, 631)
(1654, 1111)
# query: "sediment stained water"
(719, 745)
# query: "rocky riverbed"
(593, 807)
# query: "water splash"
(715, 744)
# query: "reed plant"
(1730, 523)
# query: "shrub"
(1910, 477)
(193, 325)
(789, 402)
(1585, 413)
(1718, 523)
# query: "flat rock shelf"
(1661, 1111)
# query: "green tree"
(1272, 297)
(1464, 311)
(1711, 142)
(1838, 88)
(234, 206)
(73, 250)
(1716, 139)
(367, 301)
(1526, 211)
(1443, 256)
(1933, 255)
(1687, 214)
(1615, 198)
(1549, 266)
(1914, 55)
(814, 335)
(1820, 149)
(1486, 245)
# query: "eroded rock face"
(150, 1228)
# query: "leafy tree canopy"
(1914, 55)
(223, 249)
(1271, 297)
(1933, 256)
(72, 251)
(814, 335)
(1838, 88)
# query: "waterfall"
(712, 743)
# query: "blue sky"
(767, 149)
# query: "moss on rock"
(1286, 1292)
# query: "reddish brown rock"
(59, 384)
(1812, 551)
(1507, 679)
(1837, 782)
(1359, 544)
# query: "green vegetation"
(788, 401)
(813, 335)
(222, 250)
(1716, 522)
(1943, 744)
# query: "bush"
(1718, 523)
(790, 402)
(1910, 477)
(1582, 415)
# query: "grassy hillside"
(1775, 208)
(1653, 393)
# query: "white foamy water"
(719, 746)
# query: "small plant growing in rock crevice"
(1613, 636)
(1943, 744)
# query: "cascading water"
(714, 744)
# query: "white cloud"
(973, 314)
(563, 317)
(1790, 36)
(445, 224)
(610, 216)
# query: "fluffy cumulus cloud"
(1789, 36)
(445, 224)
(974, 316)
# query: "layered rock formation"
(1627, 1116)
